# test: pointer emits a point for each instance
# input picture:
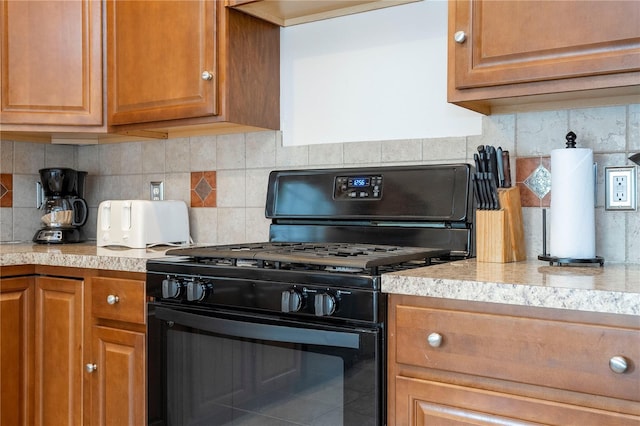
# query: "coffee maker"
(62, 206)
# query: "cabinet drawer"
(118, 299)
(564, 355)
(423, 402)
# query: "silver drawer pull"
(91, 368)
(618, 364)
(435, 340)
(112, 299)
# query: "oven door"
(212, 368)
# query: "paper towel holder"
(571, 143)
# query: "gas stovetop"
(312, 280)
(339, 257)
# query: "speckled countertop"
(613, 288)
(82, 255)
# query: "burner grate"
(333, 257)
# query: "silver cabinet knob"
(206, 75)
(618, 364)
(435, 340)
(112, 299)
(91, 368)
(460, 37)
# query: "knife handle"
(476, 190)
(500, 168)
(483, 195)
(493, 163)
(507, 169)
(482, 162)
(493, 189)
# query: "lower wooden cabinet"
(59, 332)
(72, 347)
(16, 351)
(457, 363)
(117, 365)
(118, 377)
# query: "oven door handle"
(251, 330)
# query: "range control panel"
(358, 187)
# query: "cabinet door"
(118, 380)
(527, 41)
(157, 54)
(58, 351)
(51, 62)
(423, 402)
(16, 351)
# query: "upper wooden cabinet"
(287, 12)
(51, 64)
(503, 54)
(190, 64)
(172, 68)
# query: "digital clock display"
(358, 188)
(359, 182)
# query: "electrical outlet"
(620, 188)
(156, 191)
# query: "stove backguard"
(428, 193)
(420, 206)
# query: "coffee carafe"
(63, 208)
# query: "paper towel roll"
(573, 231)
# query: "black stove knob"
(196, 291)
(171, 288)
(291, 300)
(325, 304)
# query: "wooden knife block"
(499, 233)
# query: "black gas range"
(309, 297)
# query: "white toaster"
(141, 223)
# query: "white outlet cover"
(156, 191)
(627, 173)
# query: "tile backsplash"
(223, 178)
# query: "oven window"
(215, 379)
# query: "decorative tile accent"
(6, 190)
(533, 178)
(539, 181)
(203, 189)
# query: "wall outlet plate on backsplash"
(620, 188)
(156, 191)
